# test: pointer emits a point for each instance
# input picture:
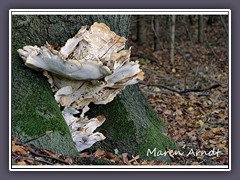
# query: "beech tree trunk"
(131, 125)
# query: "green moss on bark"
(34, 110)
(132, 126)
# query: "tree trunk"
(131, 125)
(200, 29)
(157, 45)
(173, 18)
(141, 30)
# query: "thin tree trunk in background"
(224, 25)
(142, 30)
(190, 17)
(157, 45)
(173, 19)
(200, 29)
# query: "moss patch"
(132, 126)
(34, 110)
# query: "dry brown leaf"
(117, 159)
(144, 162)
(19, 149)
(69, 160)
(179, 112)
(99, 153)
(22, 163)
(201, 123)
(110, 155)
(135, 163)
(182, 122)
(50, 153)
(178, 118)
(140, 75)
(167, 112)
(85, 154)
(215, 130)
(195, 163)
(182, 131)
(29, 161)
(190, 108)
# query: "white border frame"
(119, 12)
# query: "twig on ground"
(183, 91)
(33, 159)
(46, 156)
(159, 85)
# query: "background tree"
(173, 19)
(131, 126)
(142, 28)
(200, 28)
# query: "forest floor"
(191, 97)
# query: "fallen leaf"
(144, 162)
(201, 123)
(84, 154)
(190, 108)
(182, 131)
(69, 160)
(140, 75)
(50, 153)
(110, 155)
(179, 112)
(22, 163)
(19, 149)
(195, 163)
(178, 118)
(99, 153)
(182, 122)
(125, 158)
(215, 130)
(29, 161)
(167, 112)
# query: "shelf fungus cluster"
(92, 67)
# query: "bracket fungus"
(92, 67)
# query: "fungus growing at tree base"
(92, 67)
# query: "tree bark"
(131, 125)
(142, 30)
(173, 18)
(200, 29)
(157, 43)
